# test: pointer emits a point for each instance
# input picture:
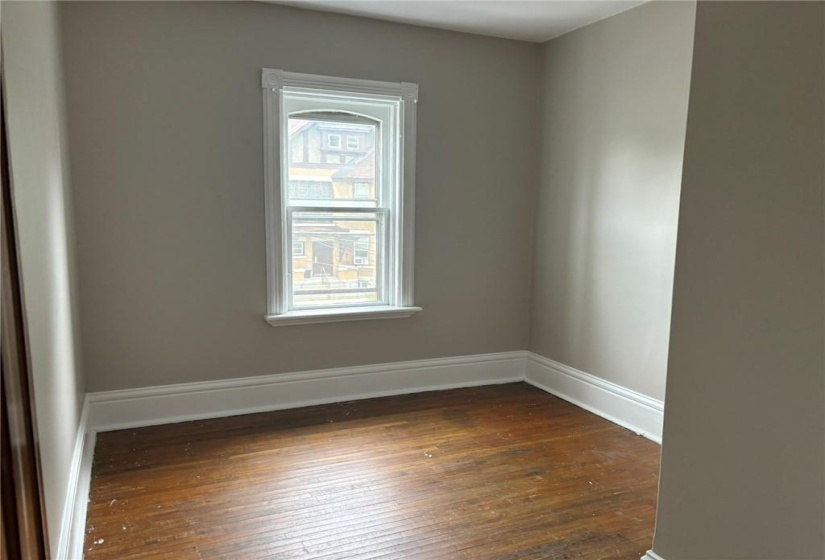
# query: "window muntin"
(300, 207)
(298, 248)
(353, 142)
(334, 141)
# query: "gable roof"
(363, 168)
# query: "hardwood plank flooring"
(496, 472)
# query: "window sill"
(339, 315)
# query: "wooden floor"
(497, 472)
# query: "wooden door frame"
(24, 529)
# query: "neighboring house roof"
(363, 168)
(296, 125)
(317, 227)
(345, 126)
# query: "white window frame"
(357, 142)
(329, 142)
(302, 252)
(399, 259)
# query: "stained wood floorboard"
(501, 472)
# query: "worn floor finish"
(498, 472)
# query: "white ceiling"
(526, 20)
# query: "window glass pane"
(332, 160)
(342, 262)
(362, 191)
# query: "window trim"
(357, 142)
(273, 83)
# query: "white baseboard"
(131, 408)
(84, 482)
(166, 404)
(74, 508)
(112, 410)
(652, 556)
(622, 406)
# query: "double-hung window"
(339, 229)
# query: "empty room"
(424, 279)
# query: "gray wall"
(39, 173)
(742, 460)
(165, 124)
(614, 107)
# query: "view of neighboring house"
(334, 257)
